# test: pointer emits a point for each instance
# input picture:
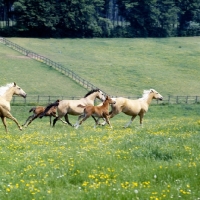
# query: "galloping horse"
(6, 93)
(70, 107)
(96, 111)
(134, 107)
(38, 110)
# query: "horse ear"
(15, 84)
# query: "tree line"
(100, 18)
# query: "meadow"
(125, 67)
(157, 161)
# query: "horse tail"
(32, 109)
(79, 105)
(56, 103)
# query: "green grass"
(125, 67)
(158, 161)
(34, 77)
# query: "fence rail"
(44, 100)
(51, 63)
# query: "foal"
(96, 111)
(38, 110)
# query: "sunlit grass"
(158, 161)
(127, 66)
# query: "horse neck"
(8, 94)
(149, 98)
(105, 104)
(91, 97)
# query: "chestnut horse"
(70, 107)
(38, 110)
(134, 107)
(96, 111)
(6, 93)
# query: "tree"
(188, 11)
(79, 18)
(36, 16)
(168, 17)
(142, 15)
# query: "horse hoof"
(20, 128)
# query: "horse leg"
(27, 120)
(108, 121)
(80, 116)
(112, 113)
(63, 121)
(67, 120)
(141, 118)
(55, 120)
(4, 123)
(96, 121)
(50, 119)
(132, 118)
(9, 116)
(86, 116)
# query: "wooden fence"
(44, 100)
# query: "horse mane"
(4, 88)
(90, 92)
(146, 94)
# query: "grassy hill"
(34, 77)
(122, 67)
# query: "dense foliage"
(101, 18)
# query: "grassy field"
(34, 77)
(158, 161)
(125, 67)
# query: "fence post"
(168, 99)
(177, 99)
(38, 99)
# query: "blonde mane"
(146, 94)
(4, 88)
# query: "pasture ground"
(123, 67)
(158, 161)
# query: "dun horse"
(38, 110)
(70, 107)
(6, 93)
(134, 107)
(96, 111)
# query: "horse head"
(156, 95)
(18, 91)
(110, 100)
(101, 95)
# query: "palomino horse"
(38, 110)
(96, 111)
(70, 107)
(6, 93)
(134, 107)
